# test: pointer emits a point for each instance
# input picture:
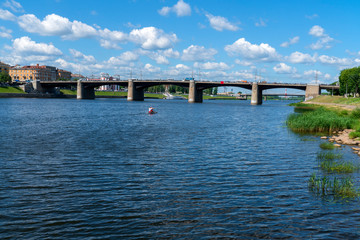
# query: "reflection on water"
(106, 169)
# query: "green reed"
(329, 156)
(327, 146)
(325, 186)
(319, 120)
(338, 167)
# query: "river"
(105, 169)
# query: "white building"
(107, 77)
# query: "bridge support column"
(256, 94)
(195, 95)
(134, 94)
(312, 91)
(36, 84)
(84, 92)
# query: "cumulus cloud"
(298, 57)
(284, 69)
(124, 59)
(26, 46)
(81, 56)
(181, 9)
(335, 60)
(324, 39)
(312, 73)
(6, 15)
(152, 38)
(262, 52)
(55, 25)
(212, 66)
(150, 68)
(220, 23)
(290, 42)
(198, 53)
(13, 5)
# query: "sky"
(214, 40)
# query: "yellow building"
(29, 73)
(4, 67)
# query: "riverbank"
(336, 118)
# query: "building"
(107, 77)
(30, 73)
(75, 76)
(4, 67)
(63, 74)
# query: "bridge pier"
(134, 94)
(312, 91)
(256, 94)
(84, 92)
(195, 95)
(36, 84)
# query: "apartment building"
(37, 72)
(4, 67)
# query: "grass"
(327, 146)
(337, 99)
(329, 156)
(338, 167)
(11, 90)
(68, 92)
(318, 120)
(326, 186)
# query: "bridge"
(86, 89)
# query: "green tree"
(349, 80)
(5, 77)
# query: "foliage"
(5, 77)
(324, 186)
(319, 120)
(327, 146)
(355, 134)
(349, 81)
(328, 156)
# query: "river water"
(105, 169)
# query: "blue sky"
(275, 41)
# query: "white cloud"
(26, 46)
(260, 23)
(290, 42)
(6, 15)
(198, 53)
(312, 73)
(243, 63)
(335, 60)
(109, 44)
(14, 6)
(212, 66)
(55, 25)
(170, 53)
(152, 38)
(150, 68)
(298, 57)
(220, 23)
(283, 68)
(324, 39)
(181, 9)
(80, 55)
(124, 59)
(262, 52)
(5, 33)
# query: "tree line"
(349, 80)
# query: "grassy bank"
(320, 120)
(11, 90)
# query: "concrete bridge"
(85, 89)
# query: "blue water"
(104, 169)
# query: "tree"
(5, 77)
(349, 80)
